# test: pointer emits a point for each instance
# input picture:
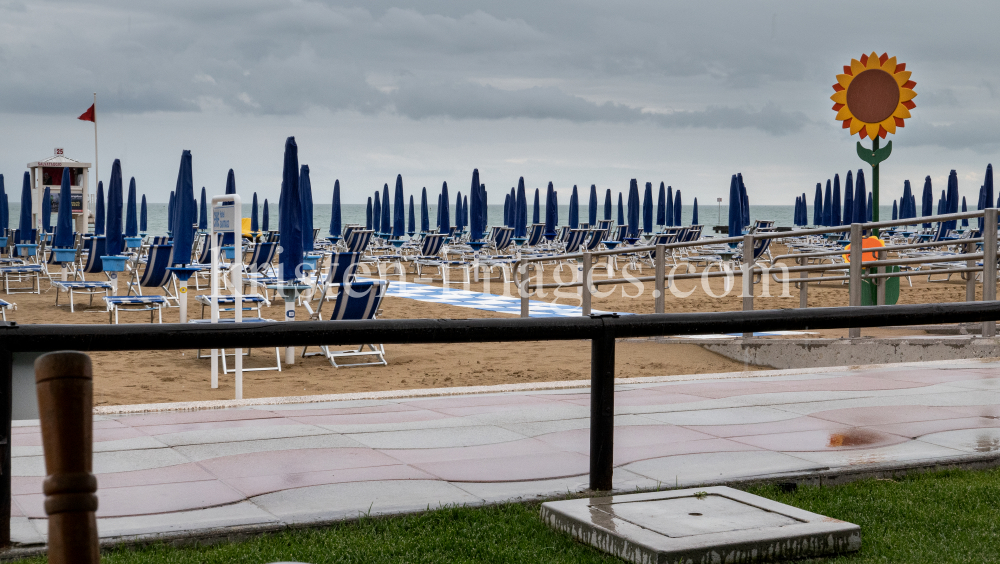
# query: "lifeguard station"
(48, 173)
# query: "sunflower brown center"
(873, 95)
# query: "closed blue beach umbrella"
(895, 211)
(848, 211)
(131, 220)
(143, 216)
(677, 207)
(170, 213)
(744, 201)
(555, 206)
(290, 212)
(4, 217)
(484, 208)
(506, 211)
(927, 201)
(444, 220)
(694, 212)
(254, 215)
(621, 210)
(368, 214)
(459, 225)
(868, 209)
(818, 205)
(965, 221)
(536, 210)
(592, 206)
(669, 210)
(465, 210)
(265, 219)
(386, 212)
(513, 206)
(227, 236)
(399, 212)
(550, 213)
(521, 211)
(647, 209)
(184, 215)
(47, 210)
(24, 221)
(835, 205)
(425, 218)
(437, 220)
(952, 200)
(608, 206)
(377, 213)
(113, 228)
(661, 206)
(574, 209)
(476, 225)
(335, 212)
(413, 218)
(860, 199)
(633, 208)
(988, 187)
(735, 219)
(63, 236)
(203, 211)
(828, 204)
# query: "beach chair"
(343, 269)
(94, 250)
(574, 240)
(4, 306)
(429, 256)
(20, 273)
(258, 270)
(535, 235)
(502, 238)
(356, 301)
(155, 275)
(227, 304)
(358, 241)
(224, 355)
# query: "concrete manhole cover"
(717, 524)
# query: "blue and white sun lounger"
(156, 275)
(4, 306)
(95, 249)
(343, 269)
(357, 301)
(225, 367)
(31, 272)
(227, 303)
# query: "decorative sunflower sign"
(872, 98)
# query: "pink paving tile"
(628, 454)
(15, 509)
(884, 415)
(916, 429)
(166, 475)
(32, 430)
(295, 461)
(939, 376)
(632, 399)
(26, 485)
(203, 416)
(843, 383)
(510, 469)
(146, 500)
(578, 440)
(258, 485)
(100, 435)
(481, 400)
(212, 425)
(786, 426)
(819, 441)
(521, 447)
(370, 418)
(387, 408)
(991, 411)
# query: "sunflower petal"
(872, 130)
(840, 97)
(906, 94)
(856, 67)
(873, 63)
(901, 112)
(889, 124)
(902, 77)
(889, 65)
(844, 113)
(856, 126)
(844, 80)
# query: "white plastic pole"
(215, 300)
(182, 300)
(235, 270)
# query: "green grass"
(936, 518)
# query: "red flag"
(88, 115)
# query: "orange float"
(866, 243)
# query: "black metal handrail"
(601, 330)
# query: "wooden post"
(64, 382)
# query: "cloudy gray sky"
(569, 92)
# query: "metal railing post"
(602, 410)
(748, 263)
(803, 286)
(522, 287)
(6, 406)
(661, 272)
(970, 277)
(989, 265)
(854, 299)
(585, 296)
(65, 386)
(880, 282)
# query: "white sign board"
(223, 218)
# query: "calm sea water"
(355, 213)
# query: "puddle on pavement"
(986, 443)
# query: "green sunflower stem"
(874, 156)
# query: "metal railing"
(875, 271)
(601, 330)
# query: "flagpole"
(97, 171)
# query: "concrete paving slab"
(234, 434)
(208, 451)
(23, 532)
(905, 452)
(967, 440)
(437, 438)
(716, 524)
(234, 515)
(342, 501)
(717, 467)
(732, 416)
